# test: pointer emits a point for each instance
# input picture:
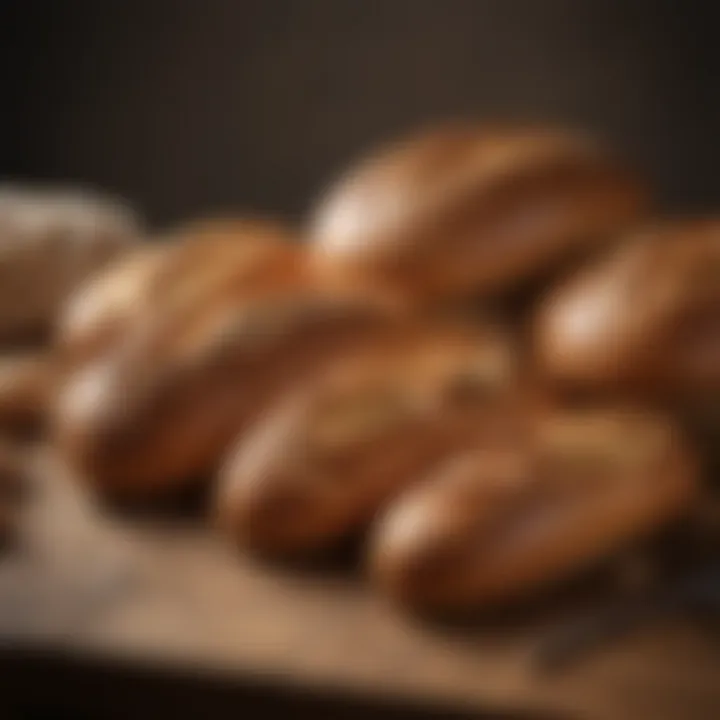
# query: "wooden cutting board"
(171, 594)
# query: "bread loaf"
(465, 210)
(109, 306)
(51, 240)
(647, 316)
(326, 458)
(497, 525)
(233, 325)
(99, 313)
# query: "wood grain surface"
(167, 593)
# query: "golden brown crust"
(323, 461)
(233, 228)
(648, 315)
(188, 260)
(213, 251)
(496, 526)
(99, 312)
(27, 381)
(233, 325)
(469, 210)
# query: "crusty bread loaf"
(323, 461)
(51, 240)
(26, 386)
(465, 210)
(646, 317)
(108, 307)
(497, 525)
(232, 324)
(99, 312)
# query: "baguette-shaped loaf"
(233, 326)
(320, 464)
(107, 308)
(51, 241)
(99, 312)
(496, 526)
(464, 210)
(646, 316)
(27, 381)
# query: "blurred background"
(191, 107)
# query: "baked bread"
(320, 464)
(26, 386)
(646, 317)
(465, 210)
(51, 240)
(99, 311)
(498, 525)
(232, 327)
(104, 309)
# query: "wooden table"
(150, 595)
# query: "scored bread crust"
(233, 324)
(323, 461)
(110, 304)
(646, 317)
(496, 526)
(463, 209)
(101, 309)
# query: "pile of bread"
(486, 354)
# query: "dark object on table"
(697, 591)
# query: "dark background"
(196, 106)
